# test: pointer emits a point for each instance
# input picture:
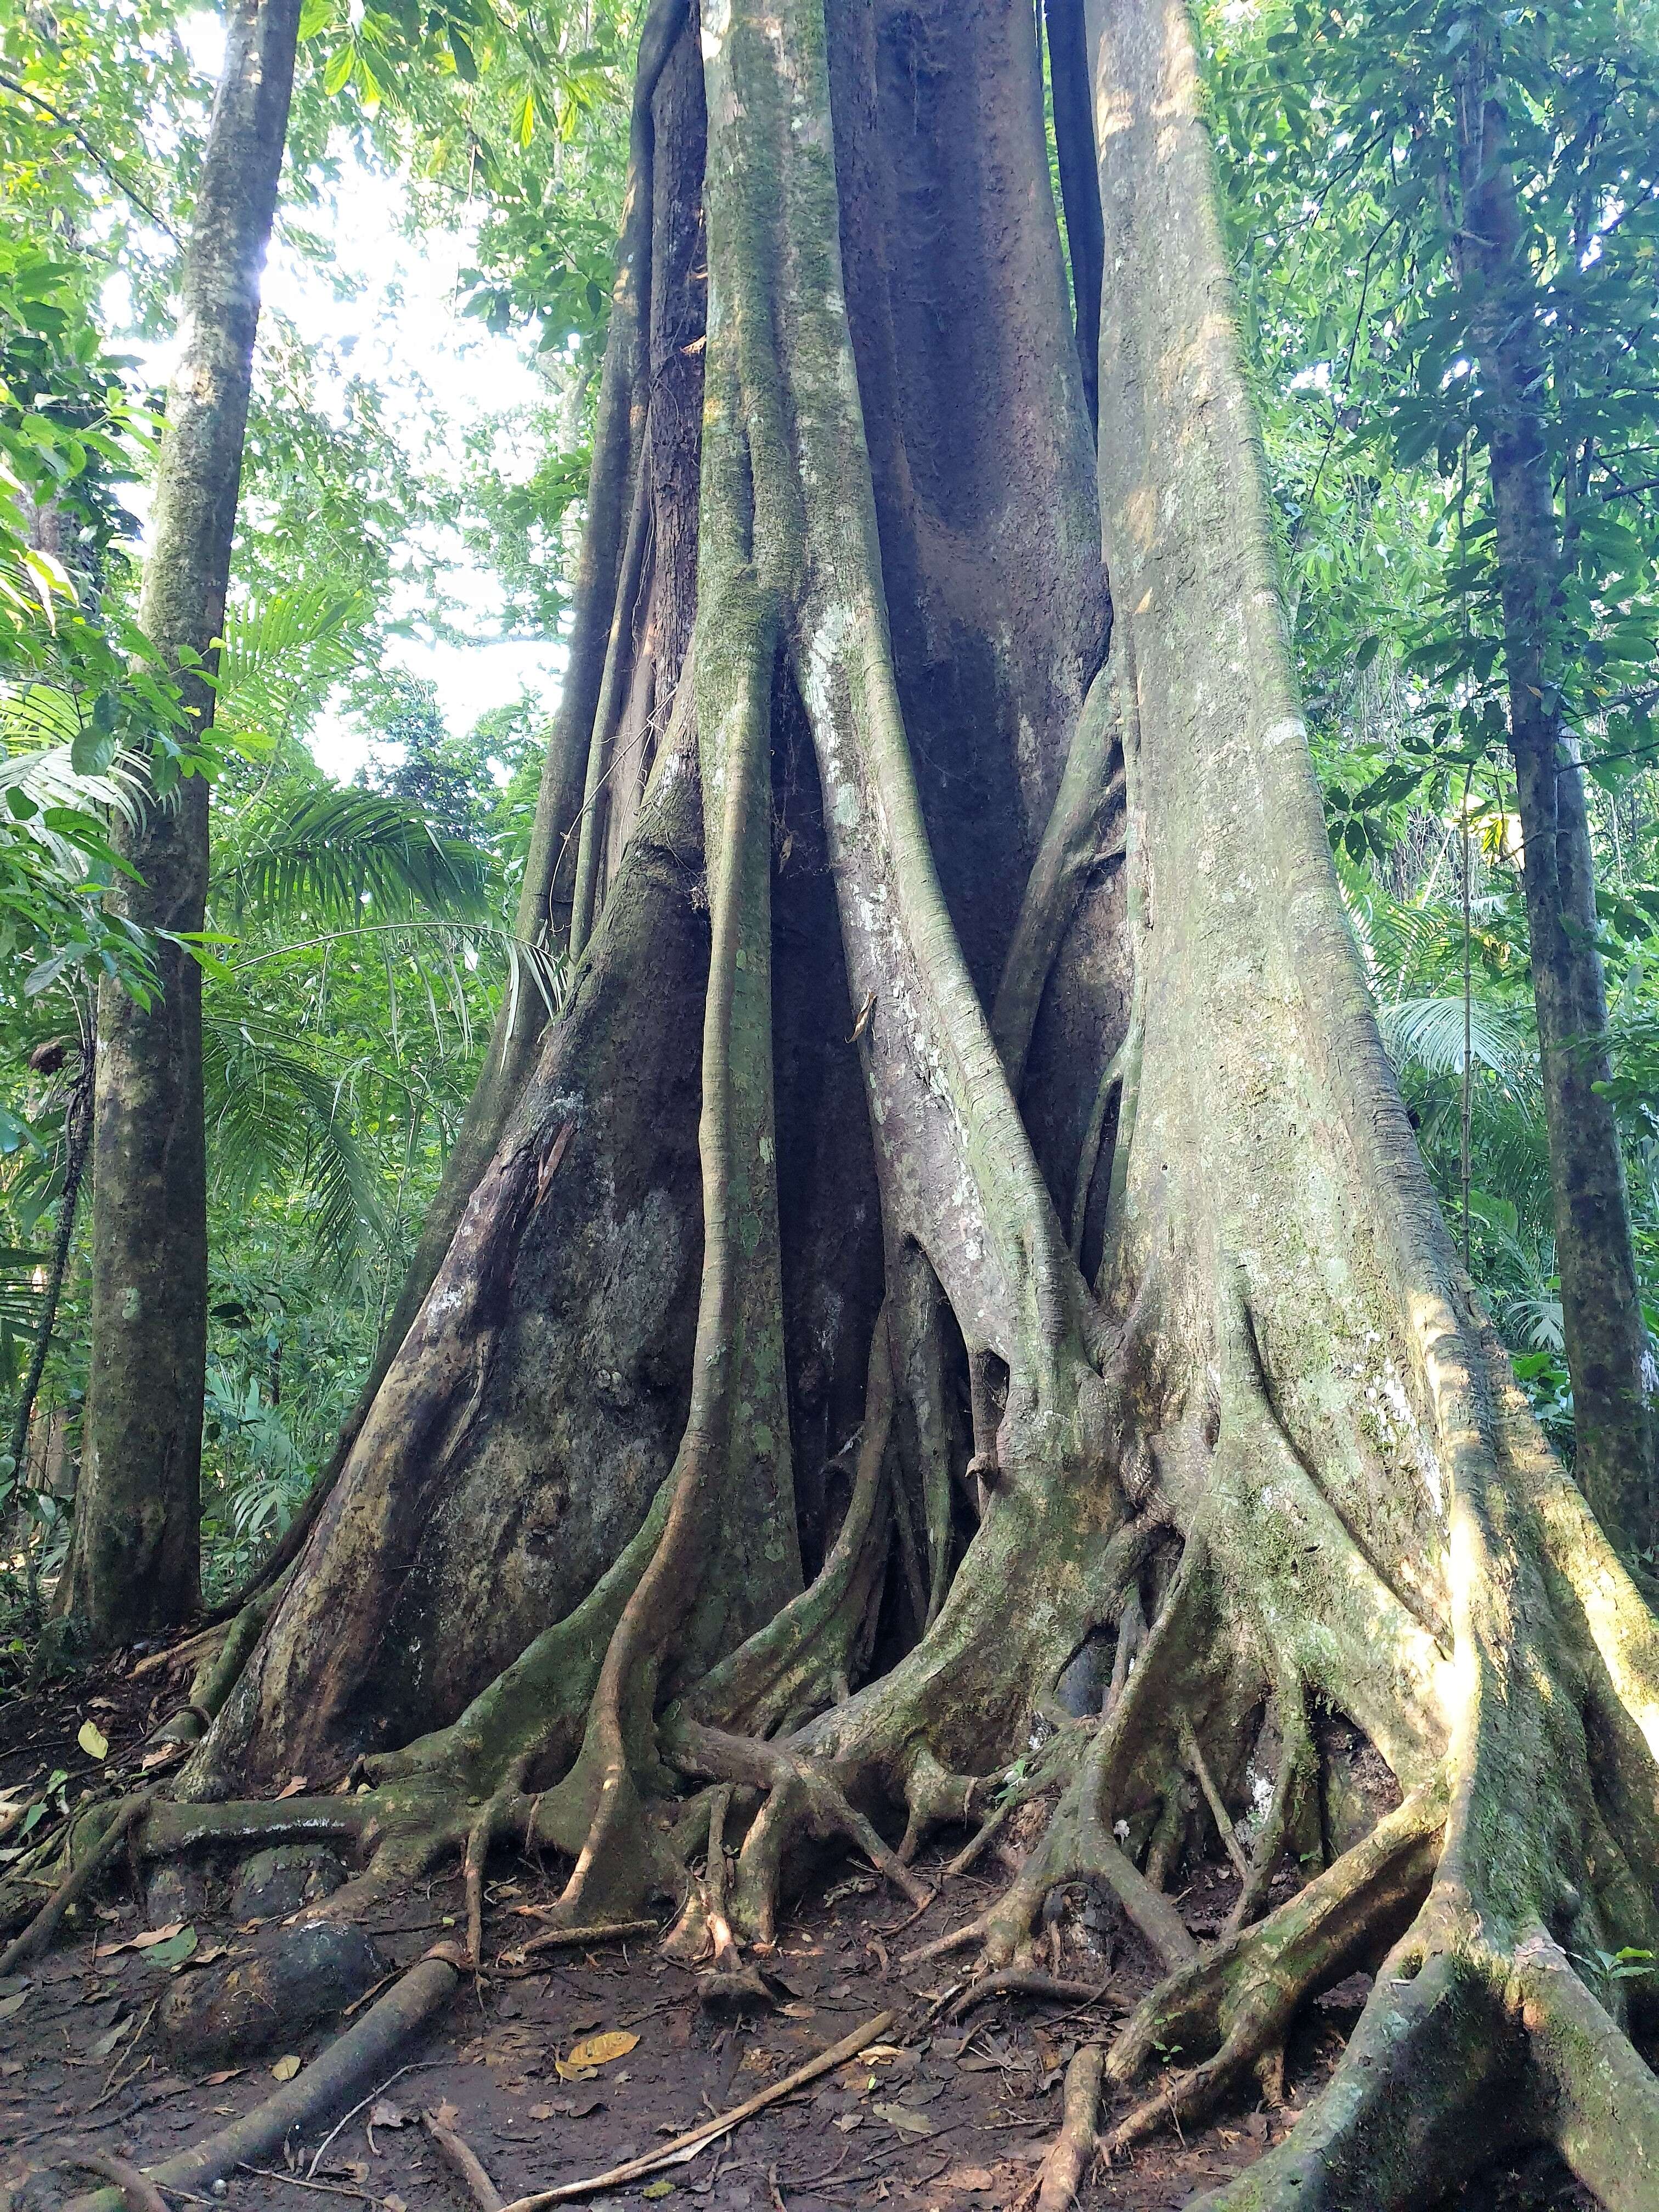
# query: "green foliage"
(1336, 128)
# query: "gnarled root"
(804, 1802)
(1236, 2002)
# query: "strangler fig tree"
(963, 1238)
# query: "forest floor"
(943, 2113)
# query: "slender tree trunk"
(77, 1130)
(1608, 1357)
(136, 1562)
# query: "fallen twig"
(299, 2181)
(463, 2162)
(683, 2148)
(569, 1939)
(311, 2171)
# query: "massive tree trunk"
(135, 1564)
(964, 1230)
(1608, 1359)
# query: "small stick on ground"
(361, 2106)
(594, 1933)
(1073, 2147)
(74, 1885)
(683, 2148)
(463, 2162)
(140, 2193)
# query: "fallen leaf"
(174, 1950)
(285, 2068)
(566, 2108)
(394, 2205)
(8, 2005)
(566, 2072)
(659, 2189)
(386, 2115)
(848, 2121)
(972, 2179)
(163, 1754)
(600, 2050)
(293, 1788)
(93, 1741)
(111, 2037)
(902, 2117)
(225, 2073)
(146, 1940)
(102, 1705)
(203, 1958)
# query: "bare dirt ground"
(945, 2112)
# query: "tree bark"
(135, 1566)
(1080, 181)
(1609, 1358)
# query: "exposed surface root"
(803, 1802)
(358, 2056)
(75, 1883)
(1072, 2150)
(1025, 1982)
(1236, 2002)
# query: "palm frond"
(1428, 1032)
(22, 1285)
(275, 1120)
(274, 647)
(458, 944)
(47, 777)
(343, 852)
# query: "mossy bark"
(1025, 937)
(135, 1566)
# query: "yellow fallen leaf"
(566, 2072)
(285, 2068)
(93, 1741)
(600, 2050)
